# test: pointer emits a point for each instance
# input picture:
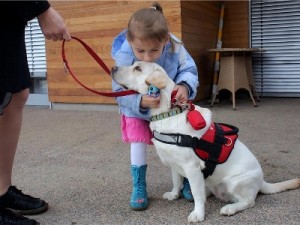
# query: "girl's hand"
(149, 101)
(182, 93)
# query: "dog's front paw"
(228, 210)
(195, 217)
(170, 195)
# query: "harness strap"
(212, 161)
(192, 142)
(214, 149)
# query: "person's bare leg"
(10, 127)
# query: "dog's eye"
(138, 68)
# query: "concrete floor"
(77, 162)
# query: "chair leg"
(254, 103)
(233, 100)
(213, 99)
(254, 92)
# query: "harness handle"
(100, 62)
(234, 130)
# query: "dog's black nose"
(114, 69)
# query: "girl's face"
(147, 50)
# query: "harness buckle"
(178, 140)
(187, 141)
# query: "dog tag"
(196, 119)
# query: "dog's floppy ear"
(157, 78)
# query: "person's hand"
(149, 101)
(53, 26)
(182, 93)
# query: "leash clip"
(185, 105)
(178, 103)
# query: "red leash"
(100, 62)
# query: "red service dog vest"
(214, 147)
(226, 138)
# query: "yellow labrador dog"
(238, 180)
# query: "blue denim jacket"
(179, 65)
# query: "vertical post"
(217, 57)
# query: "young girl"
(148, 39)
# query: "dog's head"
(140, 75)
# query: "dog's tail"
(268, 188)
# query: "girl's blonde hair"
(148, 23)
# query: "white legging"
(138, 153)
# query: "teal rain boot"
(186, 190)
(139, 197)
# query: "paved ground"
(77, 162)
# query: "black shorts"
(4, 100)
(14, 71)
